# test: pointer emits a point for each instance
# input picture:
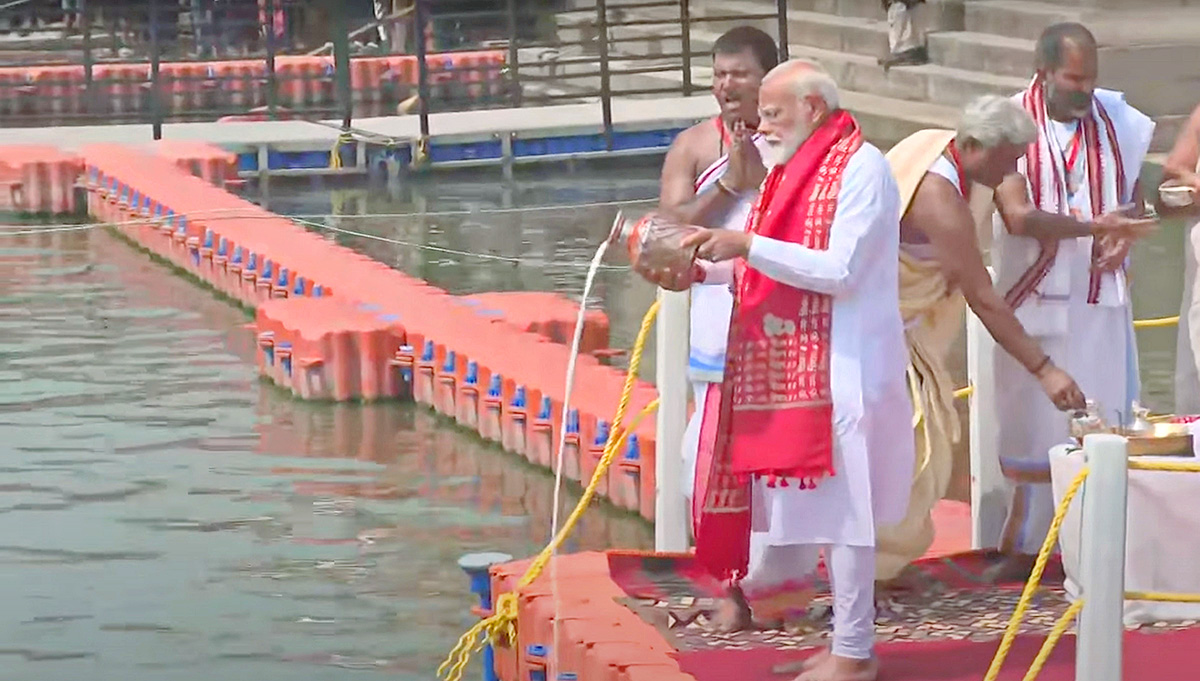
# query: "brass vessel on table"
(1166, 439)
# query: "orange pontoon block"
(549, 314)
(38, 179)
(206, 161)
(325, 348)
(599, 639)
(469, 365)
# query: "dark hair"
(742, 38)
(1051, 45)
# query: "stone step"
(812, 23)
(982, 52)
(1159, 79)
(830, 32)
(938, 83)
(1166, 131)
(860, 9)
(812, 29)
(1017, 18)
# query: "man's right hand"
(1121, 224)
(746, 171)
(1061, 388)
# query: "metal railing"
(160, 61)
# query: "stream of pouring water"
(562, 436)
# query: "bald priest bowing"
(808, 444)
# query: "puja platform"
(630, 616)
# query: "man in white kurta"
(793, 520)
(1062, 237)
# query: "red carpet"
(1165, 656)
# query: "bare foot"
(834, 668)
(804, 665)
(733, 614)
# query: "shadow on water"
(165, 515)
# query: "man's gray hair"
(991, 120)
(813, 80)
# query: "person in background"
(906, 39)
(710, 177)
(72, 16)
(1177, 197)
(1063, 230)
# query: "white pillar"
(671, 358)
(989, 494)
(1102, 559)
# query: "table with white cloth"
(1162, 550)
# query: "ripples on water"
(164, 515)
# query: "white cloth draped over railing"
(1162, 550)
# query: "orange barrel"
(12, 80)
(287, 83)
(321, 83)
(131, 81)
(57, 88)
(365, 75)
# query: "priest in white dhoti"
(812, 445)
(946, 179)
(710, 177)
(1062, 236)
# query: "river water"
(167, 516)
(164, 515)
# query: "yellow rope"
(335, 154)
(1060, 627)
(1169, 466)
(964, 392)
(501, 626)
(1014, 623)
(1162, 597)
(1155, 323)
(420, 153)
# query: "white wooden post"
(989, 494)
(671, 360)
(1102, 559)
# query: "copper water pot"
(654, 245)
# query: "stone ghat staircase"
(1149, 50)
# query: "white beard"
(780, 151)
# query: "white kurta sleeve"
(717, 273)
(868, 204)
